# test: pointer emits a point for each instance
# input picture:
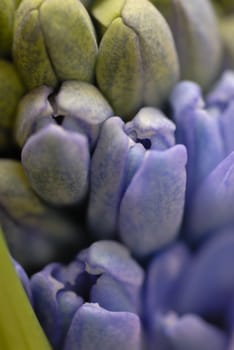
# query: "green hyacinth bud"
(53, 41)
(35, 232)
(225, 6)
(7, 10)
(227, 35)
(195, 30)
(11, 90)
(137, 63)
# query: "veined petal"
(187, 332)
(56, 163)
(107, 178)
(96, 328)
(212, 205)
(152, 207)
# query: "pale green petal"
(119, 69)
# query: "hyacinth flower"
(40, 45)
(186, 294)
(137, 62)
(205, 128)
(92, 303)
(57, 133)
(35, 232)
(137, 182)
(19, 326)
(195, 30)
(11, 90)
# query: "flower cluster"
(117, 172)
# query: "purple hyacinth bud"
(186, 332)
(207, 287)
(109, 280)
(163, 277)
(57, 133)
(96, 328)
(206, 129)
(138, 182)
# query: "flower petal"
(95, 328)
(152, 207)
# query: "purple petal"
(53, 304)
(212, 205)
(150, 123)
(112, 258)
(107, 178)
(223, 92)
(163, 277)
(152, 206)
(56, 163)
(95, 328)
(112, 295)
(189, 332)
(227, 128)
(208, 285)
(198, 131)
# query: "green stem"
(19, 327)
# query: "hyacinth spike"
(212, 205)
(211, 288)
(152, 206)
(187, 332)
(96, 328)
(44, 59)
(19, 326)
(56, 163)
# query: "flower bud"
(56, 153)
(36, 233)
(110, 281)
(145, 197)
(41, 45)
(7, 11)
(206, 129)
(195, 31)
(186, 332)
(11, 90)
(211, 263)
(137, 63)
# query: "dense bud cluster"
(117, 173)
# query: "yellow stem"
(19, 327)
